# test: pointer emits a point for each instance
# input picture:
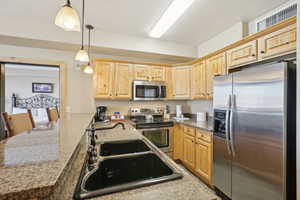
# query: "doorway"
(27, 86)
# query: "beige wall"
(200, 106)
(80, 85)
(229, 36)
(124, 106)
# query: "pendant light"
(89, 68)
(82, 55)
(67, 18)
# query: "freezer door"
(222, 91)
(222, 166)
(221, 150)
(258, 133)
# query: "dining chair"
(53, 114)
(17, 123)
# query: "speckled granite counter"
(32, 163)
(187, 188)
(207, 125)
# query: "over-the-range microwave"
(145, 90)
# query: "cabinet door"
(157, 73)
(244, 54)
(197, 85)
(141, 72)
(169, 83)
(123, 80)
(189, 150)
(203, 160)
(278, 43)
(218, 63)
(178, 142)
(181, 82)
(209, 81)
(103, 79)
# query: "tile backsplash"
(187, 106)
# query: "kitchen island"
(46, 163)
(34, 165)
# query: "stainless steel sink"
(124, 171)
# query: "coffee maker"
(100, 115)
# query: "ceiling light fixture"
(82, 54)
(67, 18)
(89, 68)
(174, 11)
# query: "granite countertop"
(189, 187)
(206, 125)
(32, 162)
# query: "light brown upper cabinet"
(141, 72)
(123, 81)
(198, 81)
(169, 82)
(181, 82)
(103, 79)
(157, 73)
(209, 81)
(241, 55)
(218, 63)
(149, 73)
(278, 43)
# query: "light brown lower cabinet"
(203, 160)
(194, 147)
(178, 142)
(189, 150)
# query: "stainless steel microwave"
(145, 90)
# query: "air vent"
(280, 16)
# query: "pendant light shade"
(88, 69)
(67, 18)
(82, 56)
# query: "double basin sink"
(123, 165)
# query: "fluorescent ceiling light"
(174, 11)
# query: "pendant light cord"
(82, 25)
(89, 42)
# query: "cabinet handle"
(262, 51)
(253, 55)
(287, 42)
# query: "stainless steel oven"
(144, 90)
(160, 137)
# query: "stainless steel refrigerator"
(255, 133)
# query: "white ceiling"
(203, 20)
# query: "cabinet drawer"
(278, 43)
(204, 135)
(189, 130)
(244, 54)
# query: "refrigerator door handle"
(227, 124)
(231, 124)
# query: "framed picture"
(42, 87)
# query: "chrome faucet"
(93, 129)
(92, 149)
